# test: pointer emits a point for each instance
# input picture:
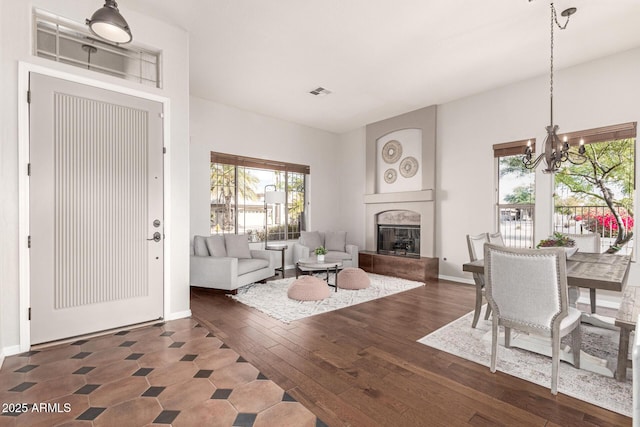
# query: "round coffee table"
(312, 265)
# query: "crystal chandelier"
(555, 152)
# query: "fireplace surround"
(419, 200)
(398, 233)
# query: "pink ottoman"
(308, 288)
(353, 278)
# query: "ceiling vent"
(320, 91)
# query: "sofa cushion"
(310, 239)
(237, 245)
(252, 264)
(200, 246)
(335, 255)
(335, 240)
(215, 245)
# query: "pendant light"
(108, 24)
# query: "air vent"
(320, 91)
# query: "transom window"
(63, 40)
(238, 205)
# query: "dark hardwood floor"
(362, 366)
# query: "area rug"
(460, 339)
(271, 297)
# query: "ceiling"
(380, 58)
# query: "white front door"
(95, 205)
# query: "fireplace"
(399, 240)
(399, 233)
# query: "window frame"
(508, 149)
(286, 168)
(597, 135)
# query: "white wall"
(15, 36)
(220, 128)
(598, 93)
(4, 261)
(353, 186)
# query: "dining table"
(584, 270)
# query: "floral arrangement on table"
(320, 250)
(557, 240)
(320, 253)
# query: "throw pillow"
(335, 241)
(310, 239)
(216, 247)
(199, 246)
(237, 245)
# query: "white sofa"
(334, 241)
(226, 262)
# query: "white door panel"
(95, 192)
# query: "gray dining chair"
(527, 291)
(588, 242)
(496, 238)
(475, 244)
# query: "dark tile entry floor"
(175, 373)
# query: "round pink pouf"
(353, 278)
(308, 288)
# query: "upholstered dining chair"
(527, 291)
(588, 242)
(496, 239)
(476, 251)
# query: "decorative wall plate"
(408, 167)
(390, 176)
(392, 151)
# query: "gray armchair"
(527, 290)
(334, 241)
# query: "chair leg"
(592, 295)
(487, 313)
(507, 337)
(555, 356)
(494, 343)
(576, 343)
(476, 314)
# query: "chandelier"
(555, 152)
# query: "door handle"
(156, 237)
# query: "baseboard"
(456, 279)
(8, 351)
(178, 315)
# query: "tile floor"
(175, 373)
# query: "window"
(515, 194)
(237, 197)
(65, 41)
(597, 196)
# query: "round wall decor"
(390, 176)
(392, 151)
(408, 167)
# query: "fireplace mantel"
(399, 197)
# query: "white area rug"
(460, 339)
(271, 297)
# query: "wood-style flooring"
(362, 366)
